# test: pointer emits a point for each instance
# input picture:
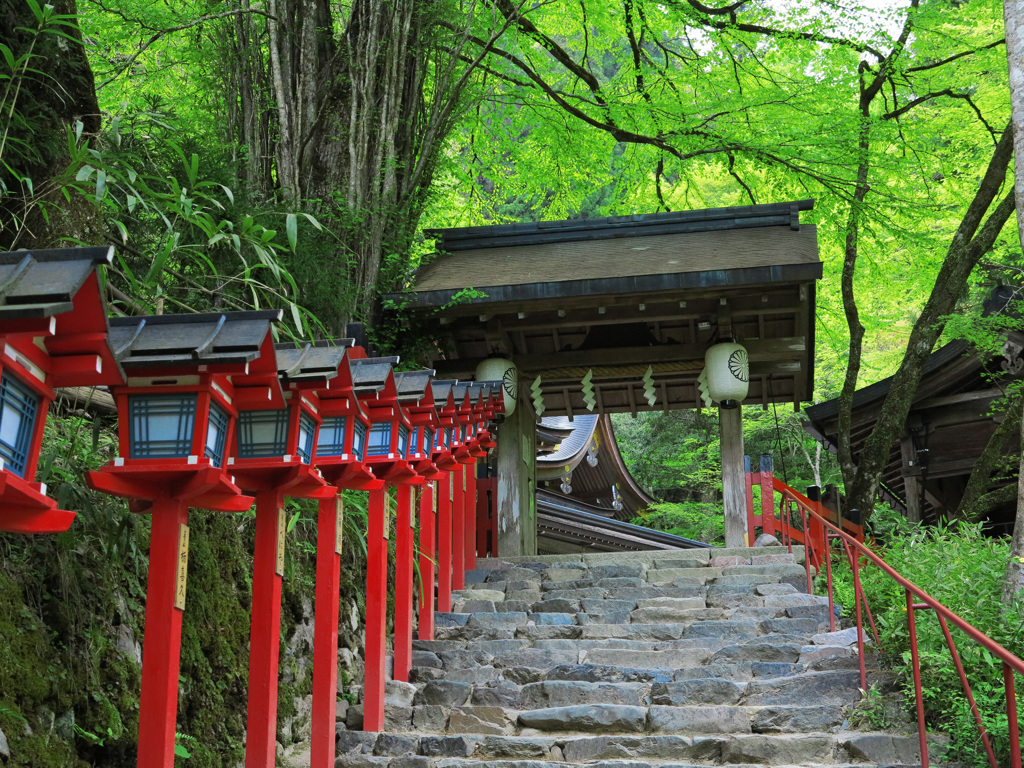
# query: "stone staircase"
(632, 660)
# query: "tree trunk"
(1013, 15)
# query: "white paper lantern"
(728, 373)
(500, 369)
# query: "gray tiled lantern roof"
(43, 283)
(216, 338)
(317, 361)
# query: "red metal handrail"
(818, 539)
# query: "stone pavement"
(679, 659)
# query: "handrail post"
(1011, 716)
(750, 500)
(857, 594)
(767, 495)
(915, 659)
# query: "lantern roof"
(372, 374)
(413, 386)
(55, 294)
(232, 339)
(44, 283)
(443, 392)
(313, 362)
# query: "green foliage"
(963, 569)
(693, 520)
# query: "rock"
(817, 654)
(556, 631)
(425, 659)
(442, 619)
(505, 694)
(771, 750)
(350, 741)
(521, 574)
(492, 593)
(535, 657)
(775, 589)
(842, 637)
(479, 720)
(512, 606)
(473, 606)
(446, 693)
(723, 629)
(340, 710)
(396, 744)
(562, 693)
(595, 605)
(406, 761)
(555, 605)
(5, 748)
(424, 674)
(354, 718)
(709, 690)
(525, 595)
(617, 571)
(725, 561)
(357, 760)
(397, 718)
(64, 726)
(587, 718)
(398, 693)
(504, 748)
(760, 651)
(699, 719)
(788, 627)
(552, 619)
(767, 540)
(839, 687)
(796, 719)
(492, 620)
(447, 746)
(522, 675)
(432, 718)
(791, 601)
(597, 673)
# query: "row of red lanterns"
(213, 415)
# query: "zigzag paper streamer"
(537, 397)
(702, 388)
(649, 392)
(588, 391)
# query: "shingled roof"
(43, 283)
(318, 361)
(215, 338)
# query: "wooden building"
(615, 315)
(948, 426)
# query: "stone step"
(810, 750)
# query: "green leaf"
(101, 185)
(292, 228)
(84, 173)
(296, 316)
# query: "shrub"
(963, 569)
(690, 519)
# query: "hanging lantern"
(500, 369)
(728, 373)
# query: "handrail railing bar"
(975, 634)
(1011, 715)
(831, 595)
(967, 690)
(915, 660)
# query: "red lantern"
(53, 332)
(177, 414)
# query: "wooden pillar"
(325, 632)
(404, 554)
(161, 650)
(428, 536)
(265, 631)
(730, 425)
(911, 478)
(459, 528)
(517, 472)
(444, 542)
(376, 610)
(472, 512)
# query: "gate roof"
(618, 295)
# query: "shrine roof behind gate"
(621, 295)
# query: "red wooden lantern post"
(417, 399)
(444, 460)
(275, 449)
(386, 448)
(176, 417)
(339, 456)
(463, 448)
(53, 333)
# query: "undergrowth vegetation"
(962, 568)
